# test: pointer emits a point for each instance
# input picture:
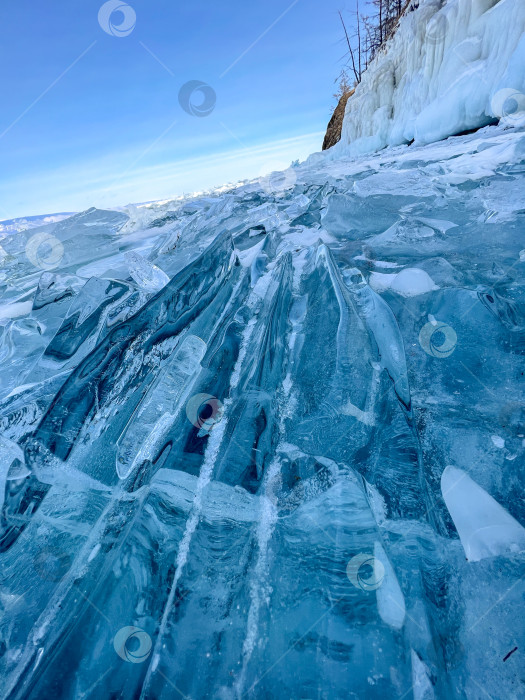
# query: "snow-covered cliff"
(451, 67)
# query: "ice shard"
(154, 415)
(484, 527)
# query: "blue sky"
(92, 119)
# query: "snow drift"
(450, 67)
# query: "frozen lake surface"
(269, 442)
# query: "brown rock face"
(333, 130)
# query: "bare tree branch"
(357, 78)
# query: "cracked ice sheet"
(326, 415)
